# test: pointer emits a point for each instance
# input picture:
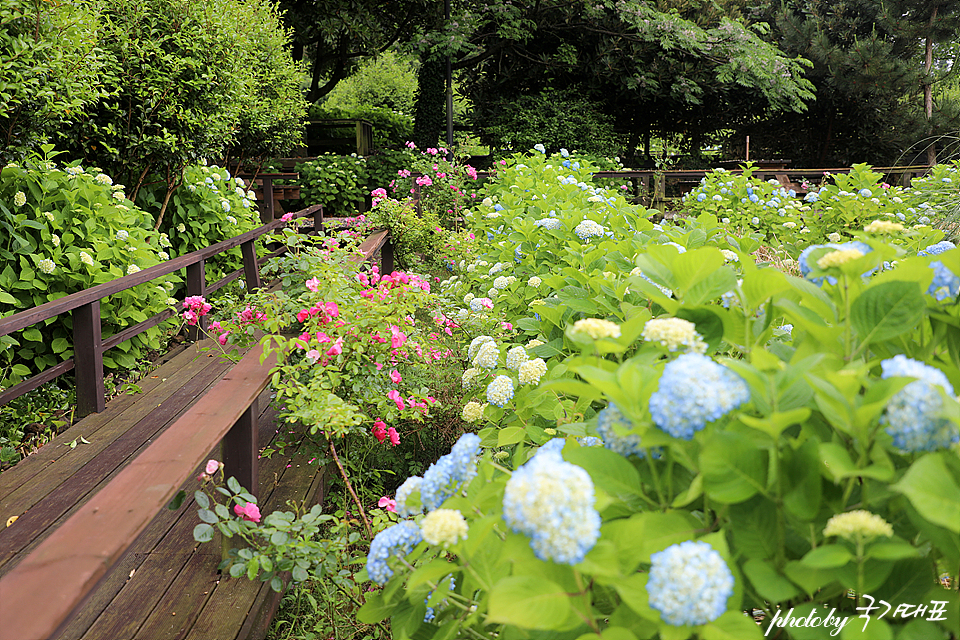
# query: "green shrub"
(387, 81)
(210, 207)
(554, 119)
(66, 229)
(341, 183)
(51, 63)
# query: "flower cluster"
(444, 527)
(858, 524)
(397, 540)
(472, 411)
(516, 356)
(449, 473)
(695, 390)
(531, 371)
(589, 229)
(500, 391)
(552, 502)
(674, 333)
(938, 248)
(838, 258)
(946, 284)
(913, 415)
(595, 328)
(608, 420)
(689, 583)
(195, 307)
(883, 227)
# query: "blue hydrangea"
(551, 501)
(404, 491)
(431, 614)
(564, 153)
(548, 223)
(450, 472)
(607, 422)
(398, 540)
(946, 284)
(937, 249)
(695, 390)
(590, 441)
(865, 193)
(539, 147)
(689, 583)
(500, 391)
(913, 417)
(701, 197)
(811, 197)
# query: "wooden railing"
(41, 592)
(88, 342)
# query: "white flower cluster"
(674, 333)
(532, 370)
(516, 356)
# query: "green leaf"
(374, 609)
(203, 533)
(609, 471)
(208, 516)
(234, 485)
(529, 602)
(732, 625)
(202, 500)
(829, 556)
(733, 468)
(768, 583)
(887, 310)
(933, 491)
(177, 500)
(510, 435)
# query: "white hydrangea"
(516, 356)
(487, 356)
(472, 411)
(532, 370)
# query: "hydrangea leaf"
(933, 491)
(529, 602)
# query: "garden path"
(166, 585)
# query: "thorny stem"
(343, 474)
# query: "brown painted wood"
(69, 496)
(197, 286)
(251, 271)
(58, 462)
(69, 563)
(371, 245)
(37, 380)
(241, 451)
(88, 359)
(178, 610)
(186, 363)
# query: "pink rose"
(286, 217)
(387, 503)
(249, 511)
(396, 397)
(222, 338)
(313, 355)
(394, 436)
(313, 284)
(212, 467)
(336, 349)
(395, 376)
(379, 430)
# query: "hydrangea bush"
(66, 228)
(792, 441)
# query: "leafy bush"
(341, 183)
(777, 435)
(387, 82)
(552, 118)
(210, 207)
(67, 229)
(415, 236)
(50, 72)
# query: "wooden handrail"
(88, 343)
(40, 593)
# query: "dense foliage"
(67, 228)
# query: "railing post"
(251, 271)
(386, 256)
(197, 286)
(240, 450)
(266, 212)
(88, 359)
(318, 221)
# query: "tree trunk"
(928, 90)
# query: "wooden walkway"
(166, 586)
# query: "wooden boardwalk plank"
(64, 495)
(100, 429)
